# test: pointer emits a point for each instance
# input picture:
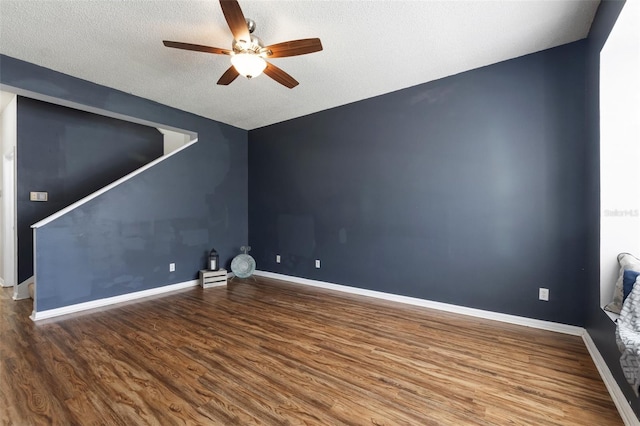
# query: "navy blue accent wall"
(70, 154)
(598, 324)
(176, 211)
(466, 190)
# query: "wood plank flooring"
(275, 353)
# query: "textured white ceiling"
(370, 47)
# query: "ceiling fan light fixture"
(249, 65)
(248, 53)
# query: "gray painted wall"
(70, 154)
(174, 212)
(467, 190)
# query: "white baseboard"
(622, 404)
(479, 313)
(36, 316)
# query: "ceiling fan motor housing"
(255, 45)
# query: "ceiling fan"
(248, 54)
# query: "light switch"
(38, 196)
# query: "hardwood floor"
(274, 353)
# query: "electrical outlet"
(318, 263)
(277, 258)
(172, 267)
(543, 294)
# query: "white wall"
(2, 226)
(8, 132)
(173, 140)
(619, 146)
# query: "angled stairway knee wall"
(174, 212)
(85, 152)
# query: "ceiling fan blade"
(235, 19)
(228, 76)
(196, 47)
(280, 76)
(293, 48)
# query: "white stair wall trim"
(65, 310)
(193, 136)
(622, 404)
(112, 185)
(479, 313)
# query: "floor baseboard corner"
(622, 404)
(425, 303)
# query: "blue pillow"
(628, 280)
